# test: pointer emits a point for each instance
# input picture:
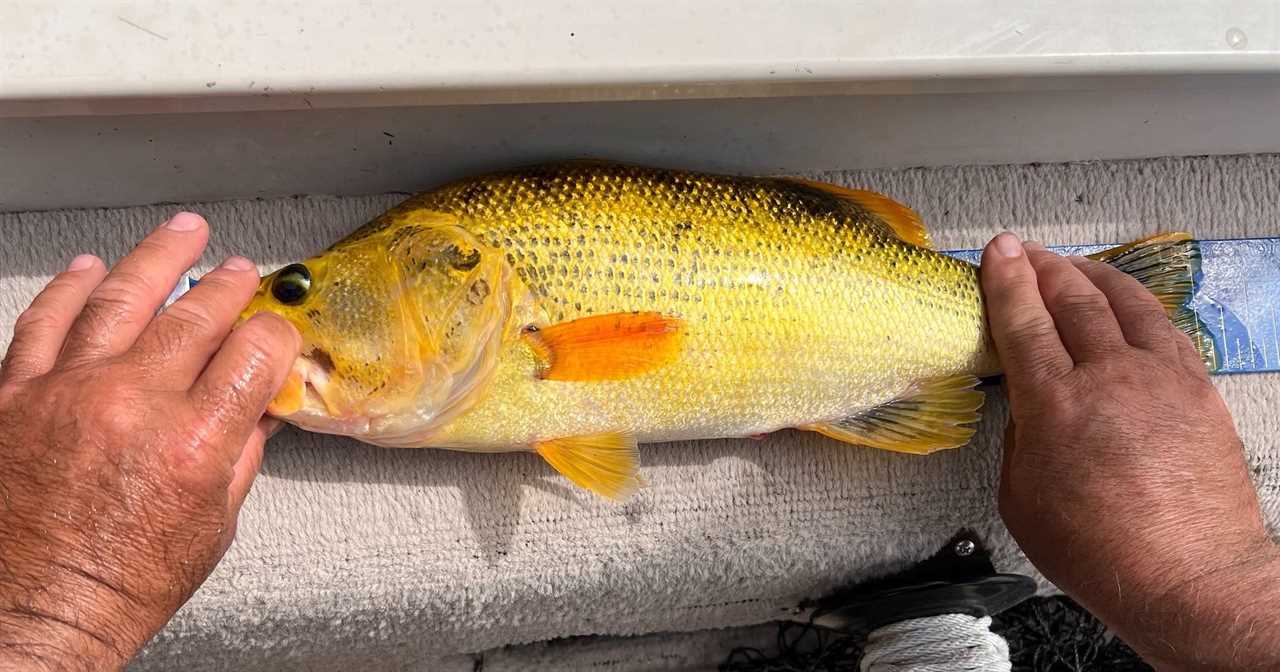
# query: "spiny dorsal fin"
(903, 221)
(1167, 264)
(934, 415)
(607, 347)
(605, 464)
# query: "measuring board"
(1236, 297)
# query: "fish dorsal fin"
(901, 220)
(607, 347)
(605, 464)
(933, 415)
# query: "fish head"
(399, 328)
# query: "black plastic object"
(959, 579)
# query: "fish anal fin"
(607, 347)
(605, 464)
(934, 415)
(903, 221)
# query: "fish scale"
(754, 266)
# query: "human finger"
(125, 302)
(41, 329)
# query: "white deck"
(243, 54)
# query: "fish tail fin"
(1167, 264)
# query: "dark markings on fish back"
(476, 191)
(513, 203)
(545, 180)
(821, 204)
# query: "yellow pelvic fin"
(1166, 264)
(607, 347)
(602, 463)
(289, 399)
(903, 221)
(933, 415)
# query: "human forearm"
(1226, 618)
(66, 616)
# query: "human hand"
(1124, 480)
(128, 442)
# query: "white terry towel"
(357, 558)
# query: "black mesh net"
(1050, 634)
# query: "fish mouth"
(316, 391)
(314, 397)
(308, 400)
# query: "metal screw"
(964, 547)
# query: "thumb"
(1030, 350)
(243, 376)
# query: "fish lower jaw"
(325, 424)
(317, 413)
(390, 431)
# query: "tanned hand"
(128, 442)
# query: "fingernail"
(82, 262)
(1007, 245)
(238, 264)
(183, 221)
(1033, 245)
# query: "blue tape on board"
(1236, 297)
(184, 285)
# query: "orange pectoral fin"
(608, 347)
(289, 399)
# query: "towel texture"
(357, 558)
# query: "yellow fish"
(576, 309)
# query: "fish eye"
(291, 284)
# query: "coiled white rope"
(945, 643)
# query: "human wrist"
(68, 618)
(1221, 618)
(39, 642)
